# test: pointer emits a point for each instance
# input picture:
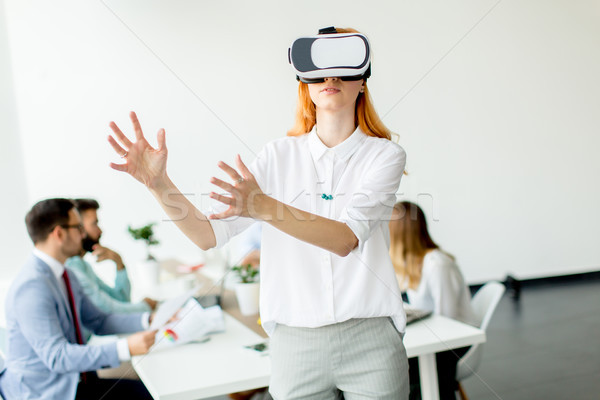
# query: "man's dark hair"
(86, 204)
(45, 215)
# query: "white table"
(222, 365)
(434, 334)
(199, 370)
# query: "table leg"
(429, 378)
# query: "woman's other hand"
(245, 194)
(145, 163)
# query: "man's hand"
(104, 253)
(152, 303)
(140, 342)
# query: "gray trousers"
(359, 359)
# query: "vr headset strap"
(328, 30)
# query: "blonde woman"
(433, 282)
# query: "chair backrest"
(484, 304)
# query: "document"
(168, 308)
(192, 324)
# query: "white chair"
(484, 304)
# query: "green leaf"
(145, 233)
(246, 273)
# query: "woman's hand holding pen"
(246, 197)
(145, 163)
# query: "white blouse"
(442, 289)
(354, 182)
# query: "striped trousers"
(355, 360)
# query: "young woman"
(323, 195)
(433, 282)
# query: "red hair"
(365, 115)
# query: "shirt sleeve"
(103, 296)
(122, 345)
(122, 289)
(145, 321)
(372, 202)
(109, 304)
(123, 350)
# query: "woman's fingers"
(230, 212)
(139, 135)
(160, 137)
(118, 149)
(222, 184)
(230, 171)
(223, 215)
(243, 169)
(119, 167)
(120, 135)
(221, 198)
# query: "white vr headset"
(331, 54)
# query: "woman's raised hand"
(145, 163)
(245, 194)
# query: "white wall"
(496, 114)
(14, 243)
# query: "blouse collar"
(343, 150)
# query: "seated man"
(108, 299)
(46, 310)
(249, 251)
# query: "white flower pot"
(148, 274)
(247, 296)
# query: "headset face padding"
(343, 55)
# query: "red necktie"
(73, 309)
(65, 276)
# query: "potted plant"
(149, 269)
(145, 233)
(247, 289)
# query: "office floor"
(546, 346)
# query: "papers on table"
(193, 323)
(168, 308)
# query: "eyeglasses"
(77, 226)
